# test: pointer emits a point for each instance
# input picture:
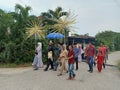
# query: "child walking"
(100, 60)
(71, 63)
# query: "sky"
(93, 16)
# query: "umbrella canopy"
(55, 35)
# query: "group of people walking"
(100, 56)
(61, 55)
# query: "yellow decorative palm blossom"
(35, 29)
(64, 23)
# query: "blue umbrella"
(55, 35)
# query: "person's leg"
(69, 70)
(105, 59)
(62, 68)
(76, 60)
(100, 67)
(92, 61)
(55, 65)
(48, 63)
(107, 56)
(89, 63)
(51, 63)
(104, 64)
(40, 62)
(72, 71)
(36, 67)
(65, 68)
(82, 56)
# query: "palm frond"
(58, 9)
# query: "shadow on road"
(111, 65)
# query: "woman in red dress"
(100, 60)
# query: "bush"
(119, 65)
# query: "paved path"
(27, 79)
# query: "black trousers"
(83, 56)
(103, 65)
(49, 62)
(76, 60)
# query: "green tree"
(13, 45)
(117, 41)
(58, 21)
(109, 38)
(6, 21)
(47, 17)
(23, 13)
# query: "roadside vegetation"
(119, 65)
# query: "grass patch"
(119, 65)
(15, 65)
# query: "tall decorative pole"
(35, 40)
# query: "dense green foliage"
(109, 38)
(15, 47)
(119, 65)
(13, 44)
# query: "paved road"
(27, 79)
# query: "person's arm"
(86, 50)
(96, 58)
(70, 57)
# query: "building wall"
(81, 40)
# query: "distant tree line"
(109, 38)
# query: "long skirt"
(40, 62)
(99, 66)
